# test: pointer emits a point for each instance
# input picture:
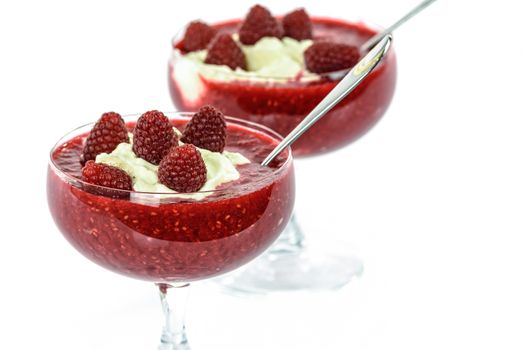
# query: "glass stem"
(173, 298)
(291, 240)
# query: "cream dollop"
(221, 168)
(269, 59)
(273, 57)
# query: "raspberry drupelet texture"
(107, 176)
(297, 25)
(259, 23)
(198, 35)
(323, 57)
(109, 131)
(223, 50)
(153, 136)
(206, 129)
(183, 169)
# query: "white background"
(432, 198)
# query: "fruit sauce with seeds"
(282, 105)
(173, 239)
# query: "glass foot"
(293, 271)
(290, 266)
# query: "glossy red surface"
(282, 105)
(172, 239)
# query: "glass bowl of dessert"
(170, 198)
(274, 71)
(280, 82)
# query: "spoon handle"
(375, 38)
(341, 90)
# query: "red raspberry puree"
(282, 105)
(173, 239)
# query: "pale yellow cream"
(221, 168)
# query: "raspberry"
(223, 50)
(259, 23)
(206, 129)
(323, 57)
(297, 25)
(153, 136)
(183, 169)
(198, 35)
(109, 131)
(106, 176)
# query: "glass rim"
(242, 77)
(172, 114)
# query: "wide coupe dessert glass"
(280, 102)
(277, 90)
(174, 238)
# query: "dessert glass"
(168, 240)
(281, 104)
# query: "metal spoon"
(346, 85)
(376, 38)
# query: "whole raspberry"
(109, 131)
(297, 25)
(198, 35)
(183, 169)
(323, 57)
(106, 176)
(153, 136)
(224, 50)
(206, 129)
(259, 23)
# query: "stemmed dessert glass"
(164, 238)
(281, 104)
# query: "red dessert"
(282, 103)
(159, 237)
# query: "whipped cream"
(221, 168)
(273, 57)
(270, 59)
